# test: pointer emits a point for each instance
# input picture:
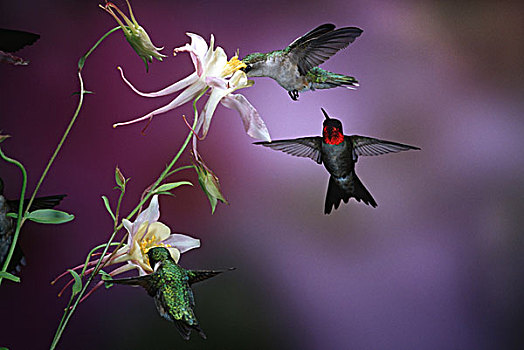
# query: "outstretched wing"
(14, 40)
(143, 281)
(303, 147)
(202, 275)
(368, 146)
(39, 203)
(316, 46)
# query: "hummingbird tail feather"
(322, 79)
(360, 193)
(352, 188)
(333, 196)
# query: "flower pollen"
(232, 66)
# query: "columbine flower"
(143, 234)
(135, 34)
(212, 71)
(209, 183)
(147, 232)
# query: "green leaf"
(108, 207)
(77, 286)
(3, 348)
(85, 92)
(171, 185)
(8, 276)
(166, 193)
(81, 62)
(12, 215)
(119, 177)
(50, 216)
(106, 278)
(3, 137)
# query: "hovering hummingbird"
(295, 67)
(339, 153)
(8, 226)
(170, 286)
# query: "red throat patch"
(332, 135)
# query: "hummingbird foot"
(293, 94)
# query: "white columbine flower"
(212, 71)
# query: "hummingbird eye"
(248, 68)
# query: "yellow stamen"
(232, 66)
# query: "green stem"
(80, 102)
(20, 210)
(66, 133)
(81, 61)
(71, 309)
(179, 169)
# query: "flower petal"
(182, 242)
(209, 108)
(197, 50)
(216, 82)
(128, 226)
(185, 96)
(253, 124)
(150, 214)
(216, 63)
(179, 85)
(159, 230)
(175, 253)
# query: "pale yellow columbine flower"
(147, 232)
(144, 233)
(212, 71)
(135, 34)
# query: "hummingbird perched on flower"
(339, 153)
(295, 68)
(170, 286)
(8, 226)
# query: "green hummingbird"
(8, 226)
(339, 153)
(170, 286)
(295, 68)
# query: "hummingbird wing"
(39, 203)
(14, 40)
(368, 146)
(303, 147)
(201, 275)
(320, 44)
(143, 281)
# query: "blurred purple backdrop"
(438, 265)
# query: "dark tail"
(353, 189)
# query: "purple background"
(439, 263)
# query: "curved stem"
(71, 308)
(81, 61)
(19, 220)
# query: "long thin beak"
(325, 114)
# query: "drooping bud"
(135, 34)
(209, 183)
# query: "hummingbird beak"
(325, 114)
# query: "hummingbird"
(295, 68)
(339, 153)
(8, 226)
(12, 41)
(170, 286)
